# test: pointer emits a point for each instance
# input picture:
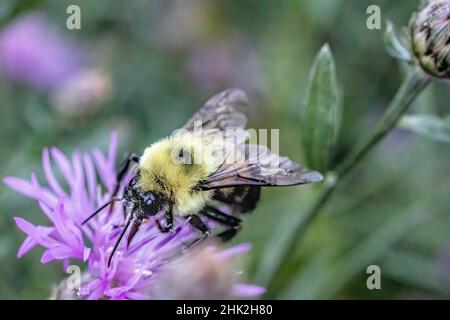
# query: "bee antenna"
(122, 233)
(100, 209)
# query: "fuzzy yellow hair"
(161, 173)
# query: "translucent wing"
(260, 167)
(222, 111)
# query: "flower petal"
(91, 177)
(66, 229)
(61, 252)
(107, 177)
(28, 244)
(96, 294)
(89, 287)
(63, 164)
(167, 239)
(116, 291)
(247, 290)
(43, 194)
(136, 295)
(21, 186)
(47, 256)
(33, 232)
(235, 250)
(140, 244)
(54, 184)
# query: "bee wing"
(222, 111)
(261, 167)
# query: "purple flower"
(430, 31)
(134, 271)
(213, 64)
(32, 52)
(203, 272)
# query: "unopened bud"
(430, 36)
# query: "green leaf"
(395, 44)
(322, 113)
(430, 126)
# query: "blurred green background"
(156, 62)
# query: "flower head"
(91, 179)
(430, 36)
(205, 272)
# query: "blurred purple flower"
(204, 272)
(213, 64)
(34, 53)
(83, 94)
(134, 269)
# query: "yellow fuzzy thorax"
(162, 172)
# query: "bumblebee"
(205, 169)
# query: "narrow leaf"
(430, 126)
(395, 44)
(322, 112)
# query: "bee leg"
(233, 223)
(134, 229)
(219, 216)
(169, 222)
(123, 169)
(229, 233)
(198, 224)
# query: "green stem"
(412, 86)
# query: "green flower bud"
(430, 38)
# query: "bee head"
(140, 203)
(153, 203)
